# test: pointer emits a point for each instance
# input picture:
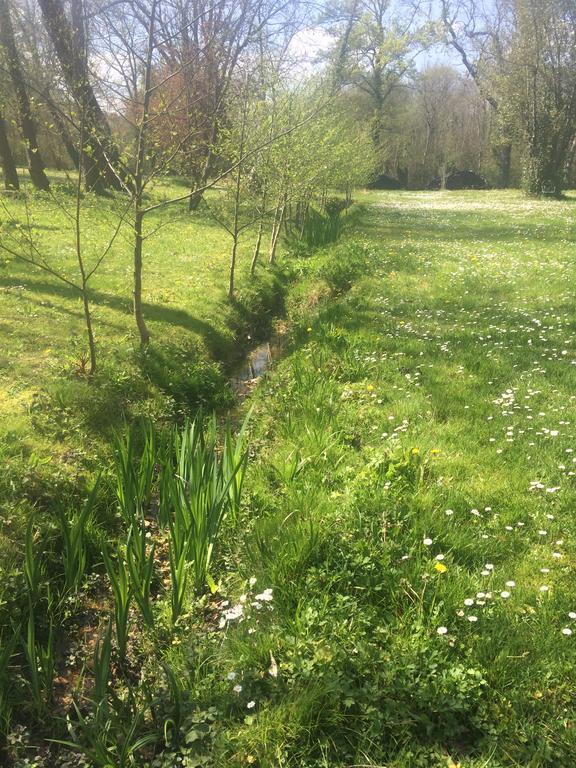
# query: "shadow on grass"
(219, 345)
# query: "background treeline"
(501, 102)
(96, 73)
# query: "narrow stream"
(252, 368)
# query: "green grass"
(411, 455)
(186, 260)
(55, 421)
(444, 380)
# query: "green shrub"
(187, 377)
(345, 264)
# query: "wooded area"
(504, 107)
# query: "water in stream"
(254, 365)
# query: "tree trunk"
(443, 175)
(569, 157)
(89, 331)
(276, 227)
(257, 248)
(272, 247)
(237, 199)
(194, 201)
(305, 213)
(7, 159)
(532, 175)
(139, 184)
(101, 157)
(199, 181)
(138, 311)
(27, 123)
(504, 160)
(231, 285)
(63, 133)
(256, 254)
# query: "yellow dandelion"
(440, 567)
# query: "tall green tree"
(377, 42)
(26, 118)
(101, 156)
(478, 32)
(541, 90)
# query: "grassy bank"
(395, 587)
(411, 503)
(56, 423)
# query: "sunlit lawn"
(42, 326)
(185, 270)
(417, 497)
(52, 418)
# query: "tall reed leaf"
(74, 546)
(41, 667)
(101, 666)
(178, 551)
(122, 592)
(135, 470)
(140, 560)
(7, 645)
(135, 478)
(199, 494)
(235, 461)
(31, 563)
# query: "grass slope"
(54, 423)
(412, 503)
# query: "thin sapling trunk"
(139, 211)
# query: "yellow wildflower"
(440, 567)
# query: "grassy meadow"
(394, 587)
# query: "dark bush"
(334, 206)
(187, 377)
(460, 180)
(385, 182)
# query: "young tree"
(20, 243)
(133, 45)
